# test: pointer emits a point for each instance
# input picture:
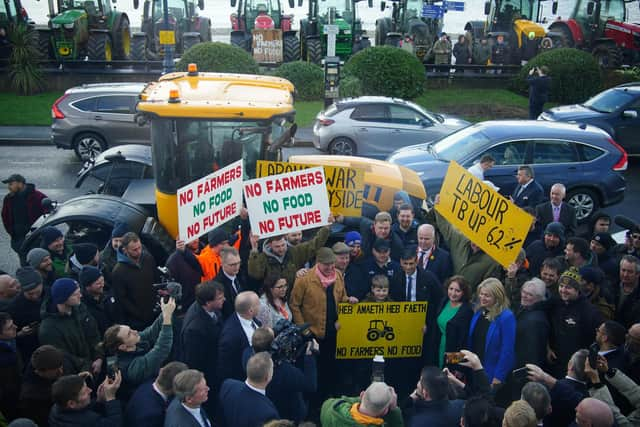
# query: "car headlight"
(55, 26)
(69, 26)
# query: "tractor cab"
(263, 20)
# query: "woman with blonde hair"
(493, 331)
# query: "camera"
(112, 367)
(167, 288)
(454, 358)
(290, 341)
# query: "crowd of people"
(553, 339)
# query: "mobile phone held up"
(112, 367)
(520, 373)
(454, 358)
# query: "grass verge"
(32, 110)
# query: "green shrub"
(218, 57)
(617, 77)
(350, 87)
(387, 71)
(575, 75)
(24, 70)
(306, 77)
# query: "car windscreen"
(434, 117)
(460, 144)
(609, 100)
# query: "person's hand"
(394, 399)
(591, 372)
(472, 360)
(244, 213)
(331, 219)
(180, 245)
(96, 366)
(416, 394)
(551, 356)
(453, 379)
(495, 382)
(531, 71)
(436, 200)
(85, 374)
(603, 364)
(339, 218)
(301, 272)
(352, 300)
(27, 330)
(511, 199)
(312, 346)
(512, 270)
(424, 329)
(110, 386)
(167, 309)
(538, 375)
(253, 239)
(337, 325)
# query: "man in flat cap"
(20, 208)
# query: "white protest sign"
(209, 202)
(280, 204)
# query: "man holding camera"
(539, 87)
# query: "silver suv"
(93, 117)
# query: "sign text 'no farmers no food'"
(289, 202)
(483, 215)
(209, 202)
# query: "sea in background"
(219, 11)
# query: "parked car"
(374, 126)
(584, 158)
(615, 110)
(90, 219)
(93, 117)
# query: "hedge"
(218, 57)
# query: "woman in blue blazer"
(492, 334)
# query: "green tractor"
(86, 28)
(342, 13)
(407, 22)
(188, 27)
(254, 16)
(11, 13)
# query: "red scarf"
(326, 281)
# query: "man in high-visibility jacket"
(209, 257)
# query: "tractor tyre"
(390, 336)
(608, 55)
(99, 47)
(381, 32)
(44, 44)
(561, 37)
(188, 41)
(314, 51)
(139, 48)
(291, 47)
(242, 41)
(373, 335)
(393, 40)
(122, 39)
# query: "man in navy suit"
(246, 403)
(201, 329)
(191, 392)
(431, 257)
(528, 192)
(148, 405)
(236, 336)
(229, 278)
(557, 211)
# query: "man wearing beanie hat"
(601, 245)
(53, 241)
(108, 255)
(25, 309)
(40, 260)
(209, 258)
(102, 305)
(67, 325)
(83, 254)
(573, 321)
(21, 207)
(592, 288)
(355, 281)
(550, 246)
(354, 241)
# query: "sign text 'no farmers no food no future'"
(209, 202)
(289, 202)
(483, 215)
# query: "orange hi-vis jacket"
(211, 262)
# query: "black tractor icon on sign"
(379, 329)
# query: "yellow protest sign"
(392, 329)
(483, 215)
(345, 186)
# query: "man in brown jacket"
(314, 300)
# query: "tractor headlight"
(69, 26)
(346, 31)
(55, 26)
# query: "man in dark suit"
(556, 210)
(228, 276)
(566, 393)
(148, 405)
(246, 403)
(236, 336)
(414, 284)
(431, 257)
(201, 329)
(528, 192)
(191, 391)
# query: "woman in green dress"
(454, 316)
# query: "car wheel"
(584, 201)
(343, 147)
(88, 146)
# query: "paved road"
(54, 172)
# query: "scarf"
(326, 281)
(362, 418)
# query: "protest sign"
(484, 216)
(345, 186)
(281, 204)
(209, 202)
(392, 329)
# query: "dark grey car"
(93, 117)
